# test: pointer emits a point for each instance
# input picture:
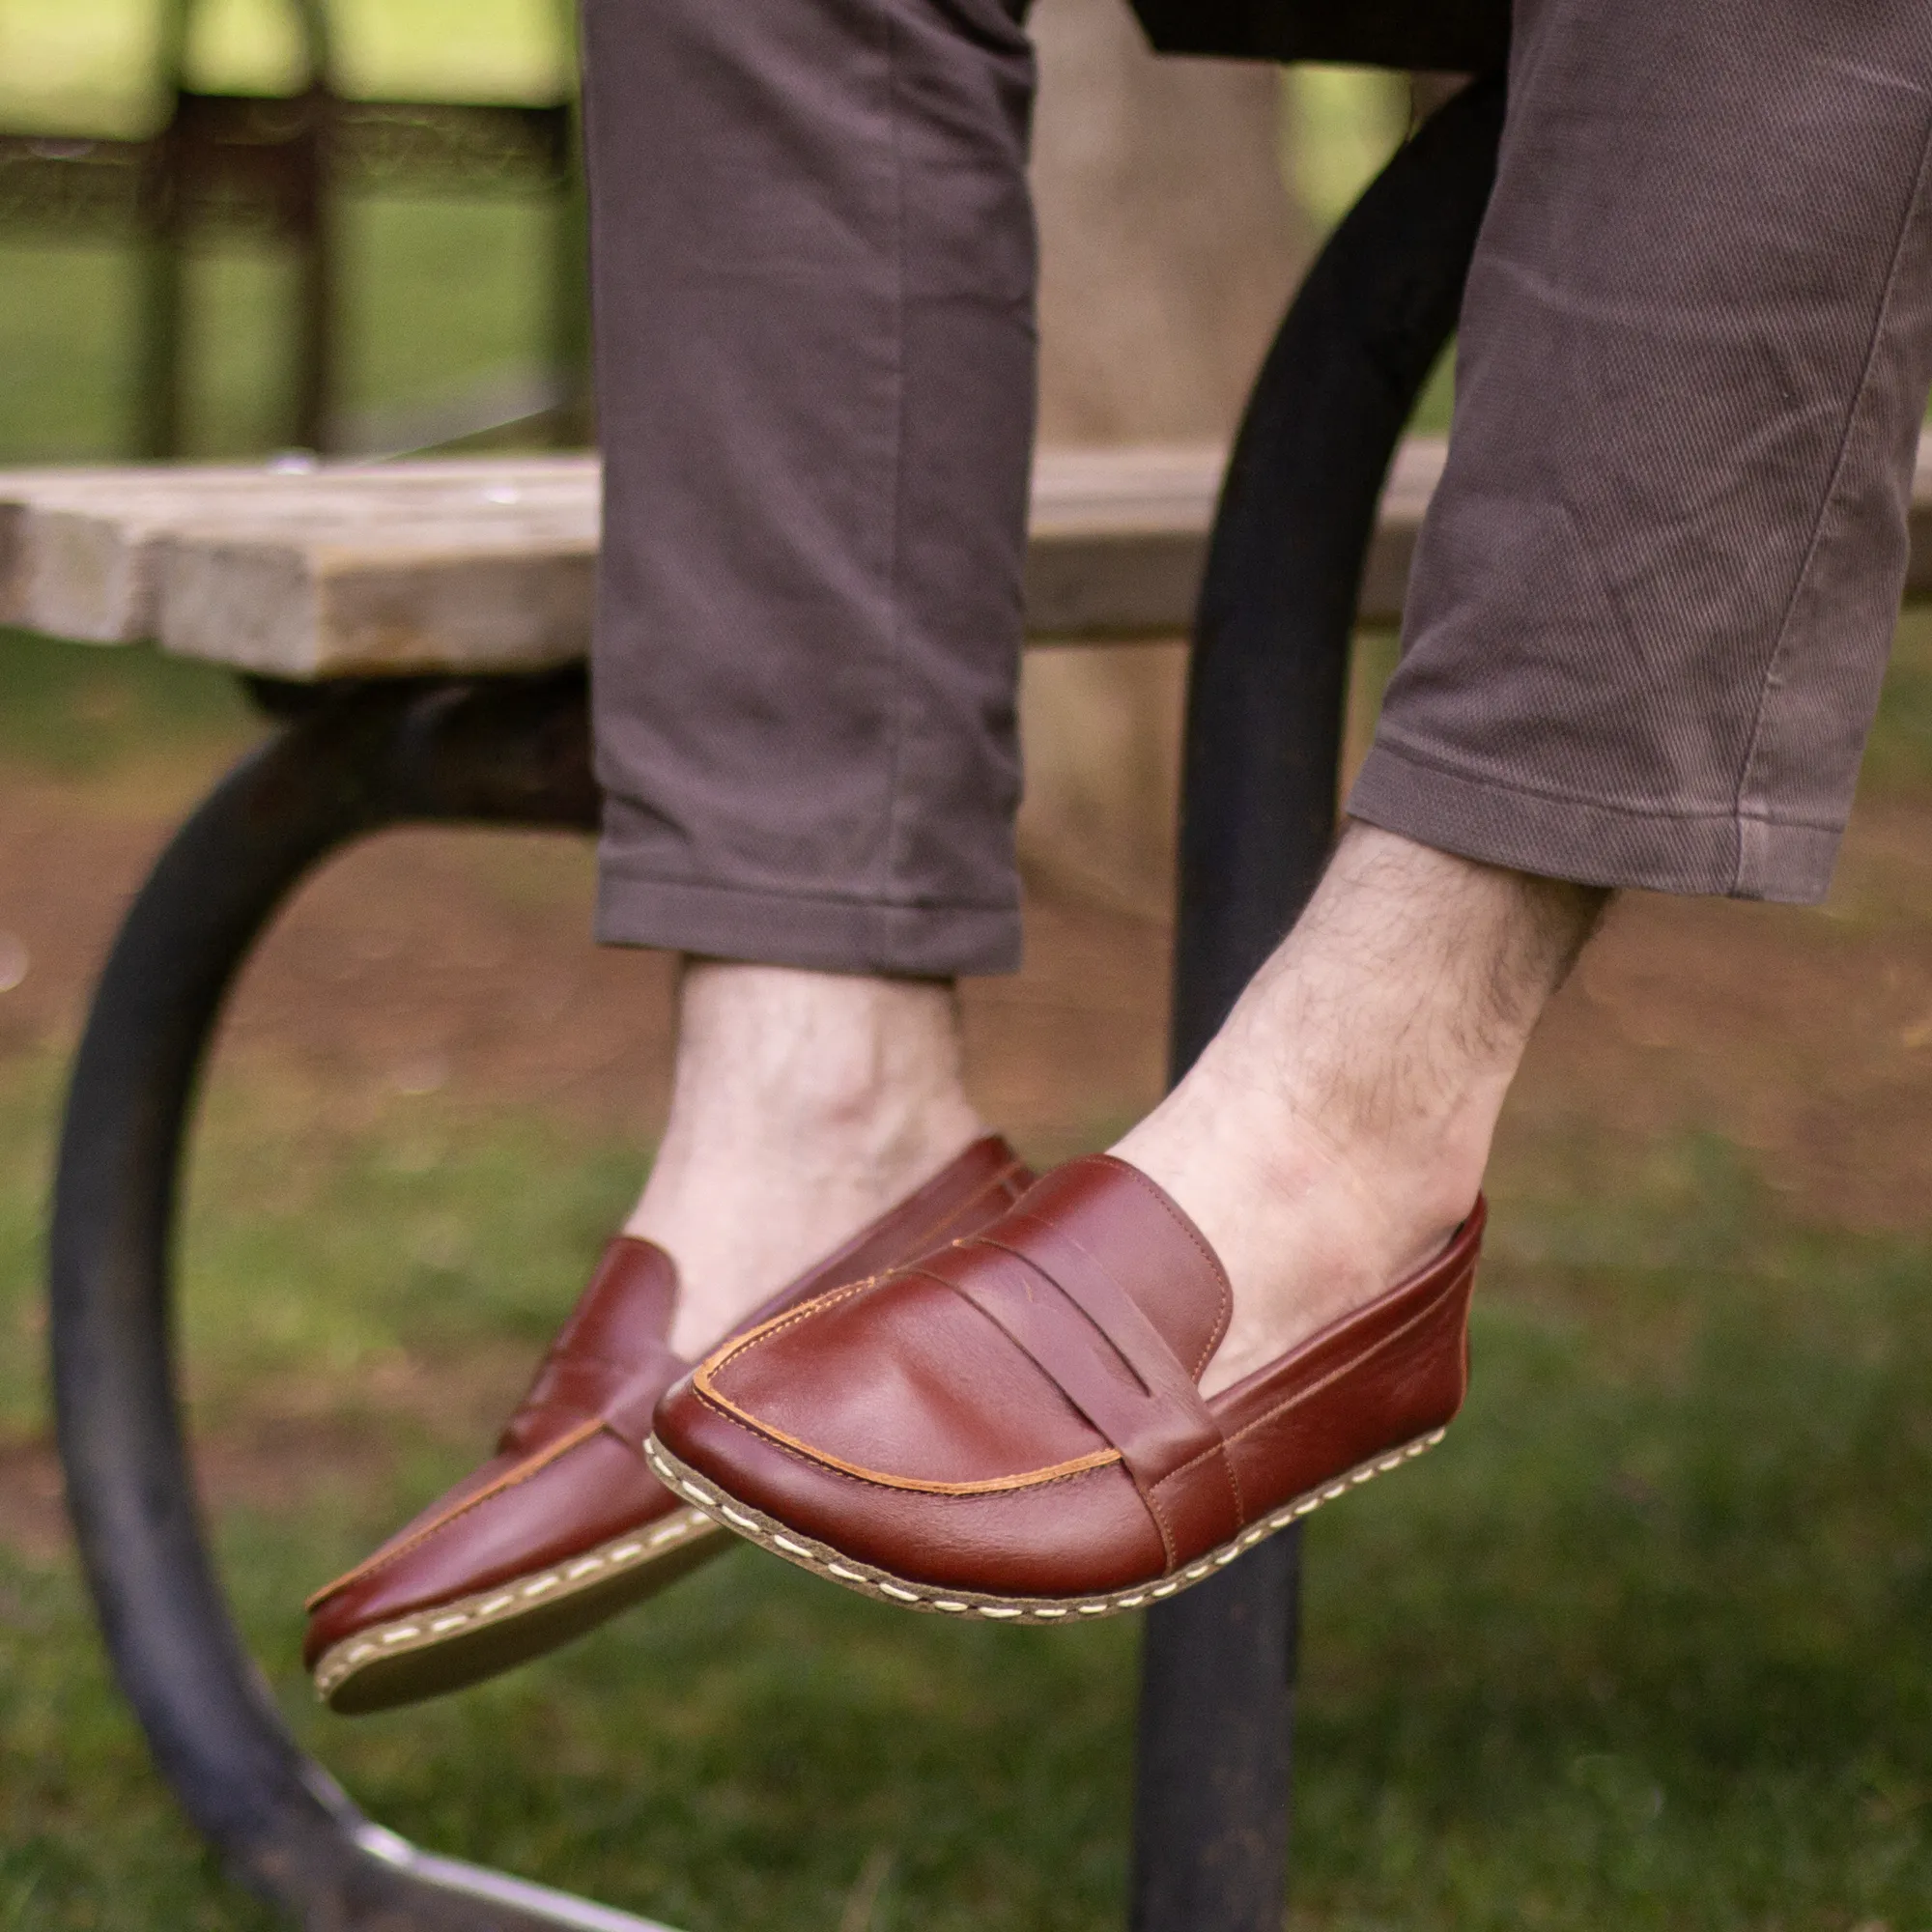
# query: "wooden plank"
(1919, 564)
(83, 553)
(484, 564)
(356, 571)
(408, 597)
(1117, 539)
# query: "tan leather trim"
(986, 1486)
(735, 1345)
(510, 1479)
(701, 1381)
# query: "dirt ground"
(460, 962)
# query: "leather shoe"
(566, 1525)
(1013, 1427)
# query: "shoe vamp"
(598, 1490)
(908, 1380)
(488, 1476)
(1086, 1532)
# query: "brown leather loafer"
(1013, 1427)
(566, 1525)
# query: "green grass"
(1646, 1647)
(765, 1736)
(1643, 1644)
(439, 295)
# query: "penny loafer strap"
(1062, 1307)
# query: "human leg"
(813, 280)
(1331, 1139)
(815, 382)
(1648, 616)
(1646, 628)
(806, 1105)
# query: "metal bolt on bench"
(1277, 607)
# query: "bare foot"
(1334, 1134)
(803, 1106)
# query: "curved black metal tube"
(1263, 744)
(1267, 686)
(505, 751)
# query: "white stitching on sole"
(767, 1534)
(338, 1663)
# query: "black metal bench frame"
(1268, 686)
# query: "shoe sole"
(824, 1561)
(448, 1646)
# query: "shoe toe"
(1083, 1531)
(514, 1516)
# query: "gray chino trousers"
(1651, 606)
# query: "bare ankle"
(804, 1104)
(1335, 1132)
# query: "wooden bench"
(485, 565)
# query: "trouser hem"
(1726, 854)
(789, 929)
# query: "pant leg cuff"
(1558, 837)
(824, 935)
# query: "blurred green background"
(1646, 1644)
(436, 295)
(443, 302)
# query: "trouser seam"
(1769, 683)
(895, 801)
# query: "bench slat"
(486, 564)
(86, 555)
